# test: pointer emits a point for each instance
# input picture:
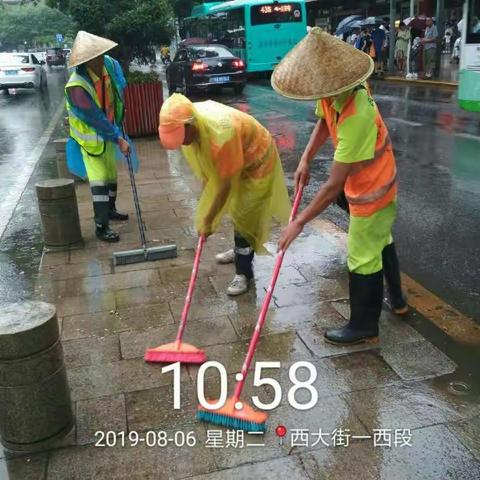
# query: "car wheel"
(238, 89)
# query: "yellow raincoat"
(233, 147)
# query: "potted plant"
(143, 101)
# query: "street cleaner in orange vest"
(94, 99)
(334, 73)
(237, 161)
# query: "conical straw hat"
(321, 66)
(87, 46)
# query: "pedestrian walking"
(401, 46)
(429, 42)
(237, 161)
(364, 167)
(94, 99)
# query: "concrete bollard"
(61, 157)
(35, 406)
(57, 202)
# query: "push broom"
(235, 414)
(179, 351)
(145, 253)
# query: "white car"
(21, 70)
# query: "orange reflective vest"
(372, 184)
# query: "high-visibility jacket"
(372, 184)
(81, 132)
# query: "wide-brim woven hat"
(321, 66)
(87, 46)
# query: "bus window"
(473, 29)
(276, 13)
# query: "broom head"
(245, 418)
(175, 352)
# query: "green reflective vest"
(81, 132)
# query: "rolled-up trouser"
(367, 237)
(102, 175)
(243, 257)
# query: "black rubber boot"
(106, 235)
(366, 296)
(391, 270)
(114, 214)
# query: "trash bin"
(35, 405)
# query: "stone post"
(57, 202)
(61, 157)
(35, 407)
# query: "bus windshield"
(275, 13)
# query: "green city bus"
(260, 32)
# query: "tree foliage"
(183, 8)
(138, 26)
(33, 26)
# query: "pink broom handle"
(191, 287)
(266, 303)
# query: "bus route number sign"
(267, 9)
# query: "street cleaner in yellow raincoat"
(237, 160)
(323, 68)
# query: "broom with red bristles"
(179, 351)
(235, 414)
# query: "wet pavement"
(416, 386)
(110, 315)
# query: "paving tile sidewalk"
(109, 315)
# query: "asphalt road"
(436, 145)
(25, 116)
(437, 149)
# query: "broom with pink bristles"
(179, 351)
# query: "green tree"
(32, 26)
(138, 26)
(183, 8)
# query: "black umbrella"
(346, 24)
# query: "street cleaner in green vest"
(333, 73)
(94, 99)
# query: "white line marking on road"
(9, 204)
(403, 122)
(470, 136)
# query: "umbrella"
(345, 24)
(418, 23)
(371, 21)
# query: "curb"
(436, 83)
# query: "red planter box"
(142, 107)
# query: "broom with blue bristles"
(235, 414)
